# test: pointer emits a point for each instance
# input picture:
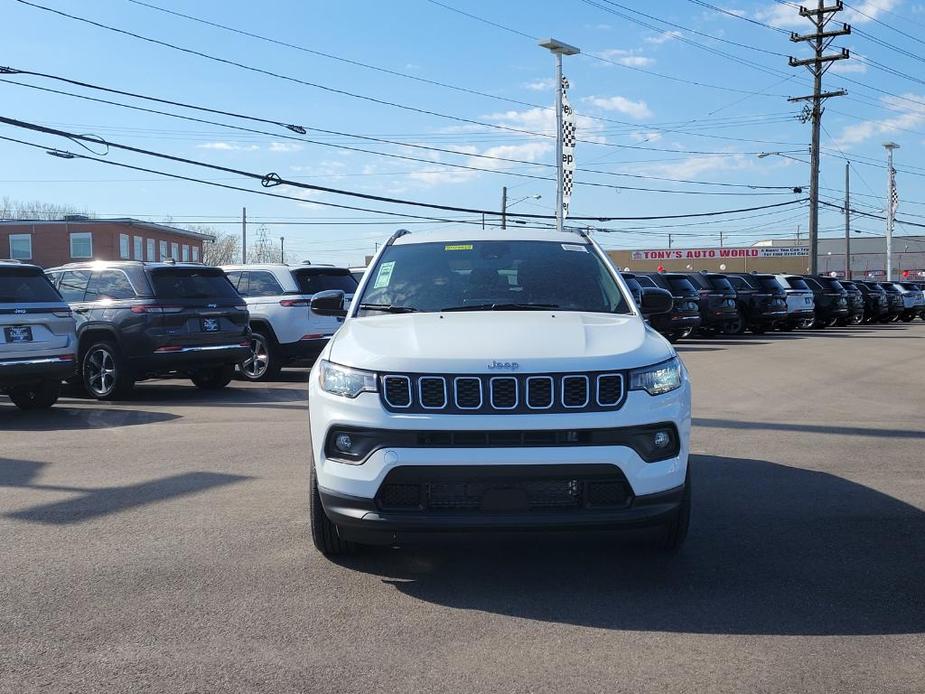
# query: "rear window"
(646, 281)
(26, 285)
(830, 284)
(314, 280)
(797, 283)
(720, 283)
(192, 283)
(681, 284)
(769, 283)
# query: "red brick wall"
(51, 241)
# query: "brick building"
(77, 237)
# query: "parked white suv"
(490, 380)
(284, 329)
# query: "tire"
(36, 397)
(104, 373)
(673, 337)
(264, 365)
(907, 318)
(214, 378)
(758, 330)
(324, 533)
(787, 327)
(674, 532)
(737, 326)
(894, 318)
(831, 322)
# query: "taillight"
(294, 302)
(147, 308)
(169, 348)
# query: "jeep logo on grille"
(503, 365)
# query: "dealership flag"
(894, 194)
(568, 148)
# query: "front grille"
(477, 490)
(516, 393)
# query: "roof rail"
(397, 235)
(15, 261)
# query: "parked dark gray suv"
(140, 320)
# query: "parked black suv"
(760, 299)
(876, 301)
(895, 297)
(684, 317)
(632, 283)
(830, 299)
(139, 320)
(855, 304)
(718, 310)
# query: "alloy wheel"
(259, 362)
(101, 372)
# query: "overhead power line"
(272, 179)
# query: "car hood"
(470, 342)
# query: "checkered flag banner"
(568, 148)
(894, 194)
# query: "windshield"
(681, 285)
(797, 283)
(25, 285)
(314, 280)
(720, 283)
(192, 283)
(491, 275)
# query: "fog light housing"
(343, 443)
(661, 439)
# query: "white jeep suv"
(495, 380)
(284, 329)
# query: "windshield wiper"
(501, 307)
(388, 308)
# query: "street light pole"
(504, 207)
(847, 222)
(890, 208)
(558, 49)
(282, 249)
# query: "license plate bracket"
(210, 325)
(18, 334)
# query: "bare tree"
(225, 250)
(17, 209)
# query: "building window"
(163, 250)
(81, 244)
(175, 251)
(185, 253)
(139, 248)
(21, 246)
(195, 254)
(150, 244)
(125, 251)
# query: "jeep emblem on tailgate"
(506, 365)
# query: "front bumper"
(36, 369)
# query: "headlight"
(347, 382)
(658, 378)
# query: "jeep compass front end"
(495, 381)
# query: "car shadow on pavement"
(810, 428)
(773, 550)
(180, 392)
(93, 502)
(63, 418)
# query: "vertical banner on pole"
(568, 148)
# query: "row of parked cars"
(732, 303)
(103, 326)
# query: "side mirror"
(655, 301)
(329, 303)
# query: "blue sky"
(657, 102)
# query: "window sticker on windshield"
(459, 247)
(385, 275)
(574, 247)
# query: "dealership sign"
(707, 253)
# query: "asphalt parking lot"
(161, 544)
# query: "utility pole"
(244, 235)
(282, 249)
(504, 207)
(892, 201)
(798, 235)
(558, 49)
(820, 40)
(847, 222)
(720, 239)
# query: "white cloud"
(854, 66)
(636, 61)
(664, 37)
(227, 147)
(693, 166)
(541, 85)
(285, 147)
(909, 116)
(630, 57)
(527, 151)
(787, 16)
(634, 109)
(869, 10)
